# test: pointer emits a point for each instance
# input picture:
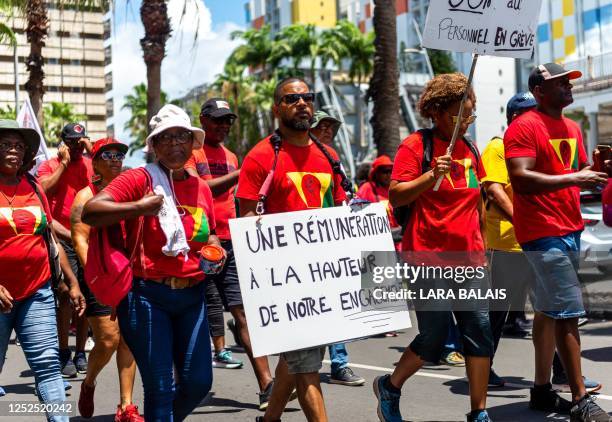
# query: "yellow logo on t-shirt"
(461, 174)
(313, 188)
(40, 219)
(566, 152)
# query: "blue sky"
(185, 66)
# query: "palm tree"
(258, 51)
(295, 41)
(154, 16)
(6, 32)
(137, 125)
(384, 84)
(37, 30)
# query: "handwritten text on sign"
(487, 27)
(301, 277)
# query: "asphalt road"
(436, 393)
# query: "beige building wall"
(75, 59)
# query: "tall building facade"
(281, 13)
(577, 34)
(75, 63)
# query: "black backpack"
(402, 214)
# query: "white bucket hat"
(170, 116)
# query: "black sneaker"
(231, 325)
(66, 364)
(80, 362)
(586, 410)
(264, 396)
(346, 376)
(495, 380)
(548, 400)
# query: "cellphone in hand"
(604, 154)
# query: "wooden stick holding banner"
(492, 27)
(451, 146)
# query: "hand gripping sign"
(483, 27)
(301, 277)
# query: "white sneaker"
(89, 344)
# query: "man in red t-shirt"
(547, 165)
(62, 178)
(218, 166)
(303, 179)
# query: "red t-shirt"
(557, 146)
(210, 163)
(374, 193)
(198, 219)
(73, 179)
(446, 220)
(24, 260)
(303, 178)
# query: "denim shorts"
(555, 260)
(304, 361)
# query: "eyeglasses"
(7, 146)
(181, 138)
(228, 120)
(469, 119)
(308, 97)
(116, 156)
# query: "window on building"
(75, 62)
(110, 131)
(108, 82)
(500, 72)
(501, 91)
(107, 29)
(76, 89)
(52, 60)
(501, 110)
(52, 89)
(110, 108)
(108, 54)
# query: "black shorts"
(227, 280)
(93, 308)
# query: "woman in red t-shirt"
(443, 221)
(27, 304)
(163, 318)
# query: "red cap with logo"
(382, 161)
(104, 144)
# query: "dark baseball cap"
(548, 71)
(215, 108)
(73, 131)
(521, 101)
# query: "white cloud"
(186, 65)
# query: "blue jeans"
(555, 261)
(33, 319)
(339, 357)
(166, 328)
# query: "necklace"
(10, 201)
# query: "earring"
(96, 178)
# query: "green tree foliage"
(56, 116)
(441, 61)
(8, 113)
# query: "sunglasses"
(469, 119)
(228, 120)
(181, 138)
(307, 97)
(116, 156)
(7, 146)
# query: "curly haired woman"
(446, 220)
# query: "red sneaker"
(86, 400)
(130, 414)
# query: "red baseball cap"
(104, 144)
(382, 161)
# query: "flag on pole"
(27, 118)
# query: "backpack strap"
(336, 167)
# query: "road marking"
(423, 373)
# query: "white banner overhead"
(301, 277)
(485, 27)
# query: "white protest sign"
(301, 277)
(486, 27)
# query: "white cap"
(170, 116)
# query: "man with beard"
(548, 166)
(218, 166)
(303, 179)
(61, 178)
